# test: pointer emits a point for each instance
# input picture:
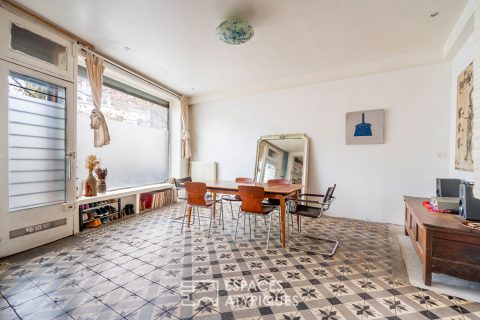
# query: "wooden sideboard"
(443, 244)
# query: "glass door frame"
(19, 219)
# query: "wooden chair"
(235, 198)
(276, 182)
(303, 209)
(180, 185)
(276, 202)
(252, 197)
(196, 199)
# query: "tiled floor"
(146, 269)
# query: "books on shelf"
(155, 200)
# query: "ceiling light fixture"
(234, 31)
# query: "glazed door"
(36, 158)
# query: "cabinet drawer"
(456, 251)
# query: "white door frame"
(40, 215)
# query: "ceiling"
(174, 41)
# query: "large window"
(138, 153)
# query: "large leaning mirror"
(283, 156)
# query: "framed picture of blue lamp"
(365, 127)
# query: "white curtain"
(186, 151)
(95, 67)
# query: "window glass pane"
(34, 45)
(36, 142)
(270, 171)
(138, 153)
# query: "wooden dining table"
(280, 192)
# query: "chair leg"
(221, 206)
(231, 209)
(236, 228)
(288, 217)
(198, 214)
(244, 223)
(269, 227)
(223, 219)
(184, 216)
(250, 226)
(220, 218)
(210, 224)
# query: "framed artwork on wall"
(464, 120)
(365, 127)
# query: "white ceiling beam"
(377, 66)
(461, 31)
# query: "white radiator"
(203, 171)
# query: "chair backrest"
(196, 192)
(329, 195)
(180, 183)
(244, 180)
(277, 182)
(252, 198)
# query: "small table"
(442, 243)
(279, 192)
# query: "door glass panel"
(36, 142)
(34, 45)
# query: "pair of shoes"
(94, 223)
(110, 209)
(128, 209)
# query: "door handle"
(69, 169)
(69, 156)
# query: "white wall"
(371, 179)
(459, 62)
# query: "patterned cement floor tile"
(146, 268)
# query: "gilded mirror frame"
(299, 136)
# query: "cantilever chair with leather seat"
(180, 185)
(196, 199)
(315, 209)
(252, 197)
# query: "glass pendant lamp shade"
(234, 31)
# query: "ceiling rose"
(234, 31)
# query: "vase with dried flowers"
(102, 176)
(90, 189)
